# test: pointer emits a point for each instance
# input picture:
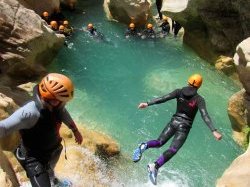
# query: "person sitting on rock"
(45, 17)
(54, 25)
(149, 32)
(39, 122)
(61, 30)
(67, 29)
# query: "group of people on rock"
(58, 22)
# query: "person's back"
(188, 103)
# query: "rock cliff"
(27, 43)
(136, 11)
(214, 27)
(239, 106)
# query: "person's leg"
(35, 170)
(178, 141)
(165, 135)
(52, 163)
(159, 6)
(37, 173)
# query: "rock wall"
(136, 11)
(41, 6)
(213, 27)
(237, 175)
(242, 63)
(7, 174)
(239, 113)
(27, 44)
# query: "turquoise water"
(113, 76)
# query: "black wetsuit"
(165, 27)
(149, 33)
(159, 6)
(131, 32)
(175, 27)
(93, 31)
(188, 103)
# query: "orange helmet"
(56, 86)
(61, 28)
(65, 22)
(149, 26)
(195, 80)
(45, 14)
(131, 25)
(90, 26)
(53, 24)
(165, 18)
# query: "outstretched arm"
(67, 120)
(23, 118)
(206, 118)
(159, 100)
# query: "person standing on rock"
(39, 122)
(188, 103)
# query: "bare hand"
(142, 105)
(217, 135)
(78, 137)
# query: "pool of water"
(112, 76)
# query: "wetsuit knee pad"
(35, 169)
(172, 150)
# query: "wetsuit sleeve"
(67, 119)
(165, 98)
(204, 114)
(23, 118)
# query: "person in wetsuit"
(92, 30)
(148, 32)
(188, 103)
(131, 31)
(53, 25)
(39, 122)
(165, 26)
(68, 30)
(45, 17)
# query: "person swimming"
(131, 31)
(148, 32)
